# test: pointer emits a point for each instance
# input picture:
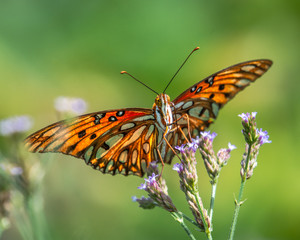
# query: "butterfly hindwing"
(112, 141)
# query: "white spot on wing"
(178, 105)
(242, 82)
(247, 68)
(150, 131)
(194, 112)
(259, 71)
(123, 156)
(134, 156)
(187, 104)
(144, 118)
(215, 109)
(88, 154)
(146, 147)
(134, 136)
(127, 126)
(205, 115)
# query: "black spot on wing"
(193, 89)
(105, 146)
(120, 113)
(98, 117)
(112, 119)
(210, 81)
(93, 136)
(81, 134)
(199, 89)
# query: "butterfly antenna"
(180, 68)
(124, 72)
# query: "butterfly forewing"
(117, 141)
(225, 84)
(202, 101)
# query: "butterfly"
(126, 140)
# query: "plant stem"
(205, 225)
(189, 219)
(179, 218)
(239, 201)
(212, 199)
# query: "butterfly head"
(162, 110)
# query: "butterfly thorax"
(163, 112)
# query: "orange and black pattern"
(126, 140)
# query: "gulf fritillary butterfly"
(126, 140)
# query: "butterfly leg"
(185, 116)
(169, 145)
(162, 163)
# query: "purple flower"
(74, 105)
(134, 198)
(231, 147)
(151, 180)
(247, 116)
(181, 148)
(178, 167)
(14, 125)
(263, 137)
(208, 135)
(193, 146)
(143, 186)
(15, 171)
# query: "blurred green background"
(78, 48)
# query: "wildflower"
(178, 167)
(180, 148)
(15, 171)
(70, 105)
(208, 154)
(249, 126)
(13, 125)
(263, 137)
(189, 180)
(208, 136)
(157, 191)
(224, 154)
(255, 138)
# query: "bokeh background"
(78, 48)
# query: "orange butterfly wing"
(202, 101)
(116, 141)
(225, 84)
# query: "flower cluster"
(157, 191)
(189, 181)
(15, 125)
(213, 162)
(255, 138)
(70, 105)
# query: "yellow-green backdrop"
(77, 48)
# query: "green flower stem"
(212, 199)
(239, 201)
(206, 228)
(179, 218)
(189, 219)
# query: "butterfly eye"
(158, 101)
